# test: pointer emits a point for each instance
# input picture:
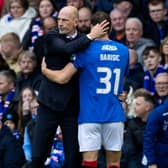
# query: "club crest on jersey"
(109, 47)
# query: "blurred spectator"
(133, 142)
(118, 26)
(105, 5)
(26, 95)
(79, 3)
(156, 138)
(29, 130)
(48, 23)
(134, 31)
(28, 76)
(84, 22)
(156, 28)
(5, 8)
(45, 9)
(56, 159)
(161, 86)
(164, 52)
(18, 18)
(135, 76)
(127, 7)
(8, 97)
(3, 63)
(11, 152)
(33, 3)
(11, 50)
(60, 4)
(152, 60)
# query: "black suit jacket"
(58, 51)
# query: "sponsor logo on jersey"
(109, 47)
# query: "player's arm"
(59, 76)
(83, 42)
(55, 44)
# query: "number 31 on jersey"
(106, 80)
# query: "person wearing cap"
(11, 121)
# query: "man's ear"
(76, 22)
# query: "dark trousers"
(47, 123)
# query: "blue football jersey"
(102, 66)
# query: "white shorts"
(92, 136)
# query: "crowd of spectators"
(141, 25)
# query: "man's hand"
(98, 30)
(123, 96)
(43, 66)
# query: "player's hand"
(99, 30)
(43, 66)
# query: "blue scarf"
(37, 30)
(4, 106)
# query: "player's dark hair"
(100, 16)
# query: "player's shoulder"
(119, 45)
(113, 45)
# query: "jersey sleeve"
(79, 60)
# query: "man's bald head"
(70, 10)
(67, 20)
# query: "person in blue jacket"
(156, 138)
